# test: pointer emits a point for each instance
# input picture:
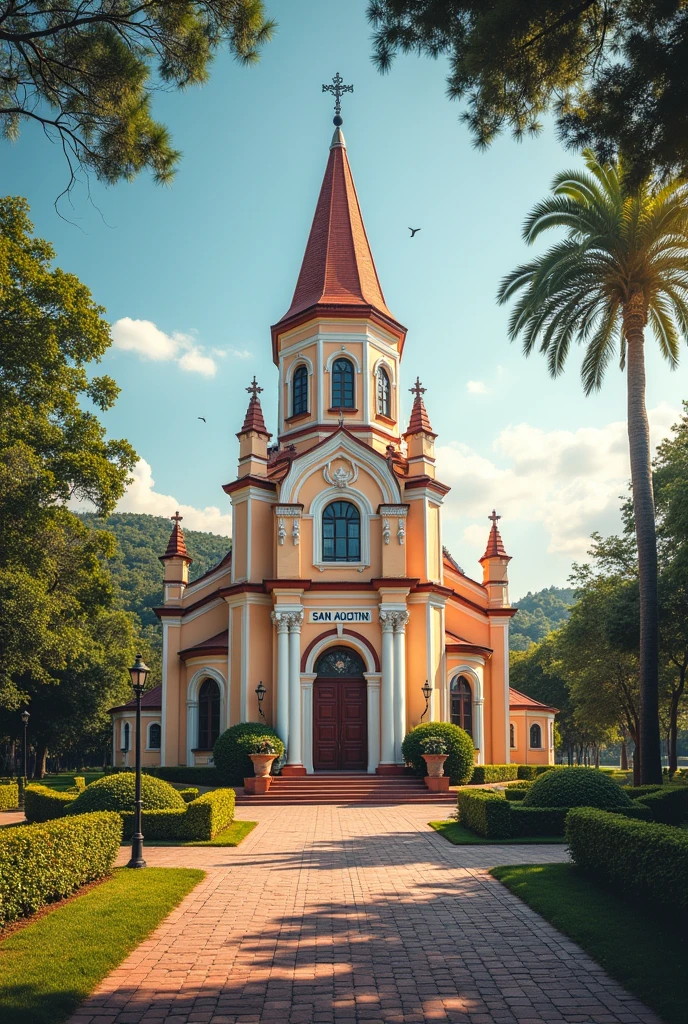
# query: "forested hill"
(141, 539)
(538, 614)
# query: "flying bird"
(413, 231)
(201, 418)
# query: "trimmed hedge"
(201, 819)
(668, 806)
(483, 773)
(43, 863)
(485, 813)
(9, 796)
(648, 861)
(117, 793)
(459, 765)
(79, 783)
(576, 787)
(196, 775)
(533, 771)
(634, 792)
(514, 795)
(231, 750)
(41, 803)
(538, 821)
(188, 795)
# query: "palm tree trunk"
(634, 316)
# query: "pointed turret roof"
(495, 547)
(338, 271)
(419, 423)
(176, 545)
(253, 420)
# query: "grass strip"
(49, 967)
(231, 836)
(65, 780)
(643, 950)
(460, 836)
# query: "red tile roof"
(419, 421)
(151, 699)
(254, 417)
(520, 700)
(217, 644)
(338, 267)
(495, 547)
(176, 545)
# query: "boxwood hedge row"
(9, 796)
(45, 862)
(668, 805)
(200, 820)
(41, 803)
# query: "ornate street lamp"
(260, 693)
(25, 719)
(138, 673)
(427, 693)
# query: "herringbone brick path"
(356, 915)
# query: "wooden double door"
(340, 734)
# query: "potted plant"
(262, 754)
(434, 754)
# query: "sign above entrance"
(340, 615)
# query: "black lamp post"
(138, 673)
(260, 694)
(25, 719)
(427, 692)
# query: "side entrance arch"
(340, 726)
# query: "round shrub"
(460, 750)
(576, 787)
(231, 750)
(117, 792)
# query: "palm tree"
(623, 266)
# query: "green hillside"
(538, 614)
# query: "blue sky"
(212, 261)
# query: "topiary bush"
(231, 750)
(533, 771)
(116, 793)
(483, 773)
(576, 787)
(461, 757)
(486, 813)
(189, 794)
(41, 803)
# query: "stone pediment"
(339, 463)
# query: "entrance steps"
(346, 788)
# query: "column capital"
(399, 620)
(295, 622)
(281, 620)
(386, 621)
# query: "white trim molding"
(192, 691)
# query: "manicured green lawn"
(231, 836)
(645, 952)
(49, 967)
(65, 780)
(460, 836)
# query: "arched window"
(154, 736)
(299, 391)
(341, 533)
(461, 704)
(384, 393)
(208, 714)
(342, 384)
(340, 661)
(125, 737)
(512, 736)
(535, 737)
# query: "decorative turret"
(420, 437)
(253, 437)
(495, 562)
(176, 562)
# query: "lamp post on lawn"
(25, 719)
(138, 673)
(427, 692)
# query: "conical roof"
(495, 546)
(253, 420)
(176, 545)
(419, 422)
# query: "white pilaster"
(307, 721)
(294, 755)
(281, 620)
(479, 728)
(400, 620)
(387, 723)
(373, 708)
(191, 729)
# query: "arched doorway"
(340, 734)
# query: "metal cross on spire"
(337, 88)
(417, 389)
(494, 517)
(253, 388)
(177, 518)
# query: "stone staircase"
(346, 788)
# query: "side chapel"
(338, 594)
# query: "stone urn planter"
(262, 763)
(435, 763)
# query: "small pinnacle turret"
(419, 421)
(176, 546)
(495, 546)
(495, 563)
(253, 419)
(176, 562)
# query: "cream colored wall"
(523, 753)
(148, 757)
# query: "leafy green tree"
(538, 615)
(622, 266)
(537, 673)
(615, 72)
(85, 71)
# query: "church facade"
(338, 595)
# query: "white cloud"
(477, 387)
(147, 340)
(569, 481)
(141, 496)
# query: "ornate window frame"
(148, 729)
(365, 509)
(344, 356)
(192, 691)
(302, 412)
(475, 683)
(538, 726)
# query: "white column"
(294, 755)
(191, 729)
(387, 723)
(400, 620)
(115, 723)
(281, 620)
(479, 728)
(373, 708)
(307, 721)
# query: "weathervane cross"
(177, 518)
(417, 389)
(337, 88)
(253, 388)
(494, 517)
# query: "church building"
(338, 595)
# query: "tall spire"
(253, 419)
(495, 546)
(419, 421)
(176, 546)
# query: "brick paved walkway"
(356, 916)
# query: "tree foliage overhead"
(85, 70)
(615, 72)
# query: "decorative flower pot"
(262, 763)
(435, 763)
